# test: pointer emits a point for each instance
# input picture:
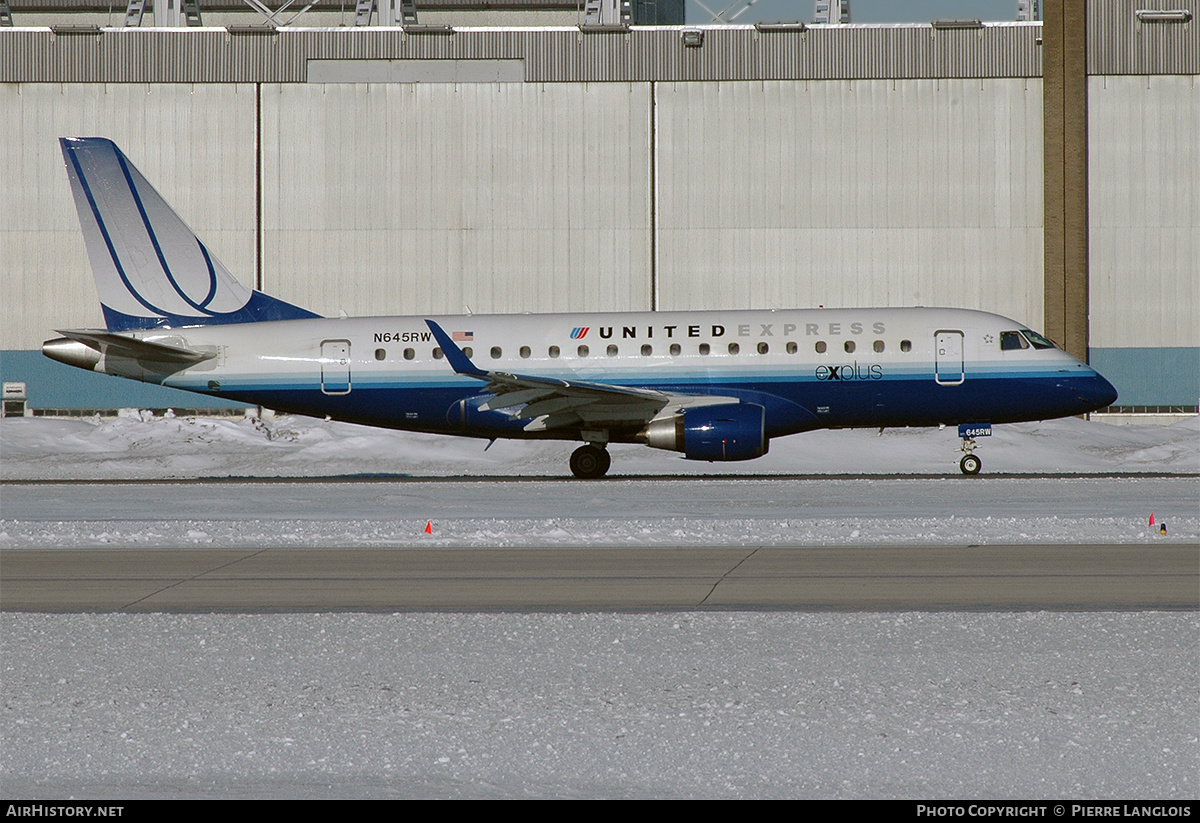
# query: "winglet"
(458, 361)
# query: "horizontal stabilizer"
(119, 345)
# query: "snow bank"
(159, 448)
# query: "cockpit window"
(1037, 340)
(1012, 340)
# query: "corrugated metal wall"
(399, 198)
(913, 192)
(1144, 238)
(194, 143)
(1144, 158)
(550, 54)
(503, 197)
(1120, 43)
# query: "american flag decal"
(579, 332)
(462, 336)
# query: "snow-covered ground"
(946, 705)
(715, 511)
(146, 447)
(934, 503)
(928, 706)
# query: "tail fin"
(150, 269)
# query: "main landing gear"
(589, 462)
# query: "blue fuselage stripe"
(792, 403)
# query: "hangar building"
(1046, 171)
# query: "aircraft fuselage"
(809, 369)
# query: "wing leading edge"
(549, 403)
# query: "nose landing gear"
(970, 463)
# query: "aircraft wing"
(550, 403)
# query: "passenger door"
(948, 357)
(335, 366)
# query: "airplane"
(712, 385)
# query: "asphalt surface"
(875, 578)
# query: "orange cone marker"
(1151, 518)
(429, 527)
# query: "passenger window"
(906, 345)
(553, 352)
(409, 354)
(849, 347)
(763, 348)
(468, 351)
(525, 352)
(675, 349)
(820, 347)
(878, 347)
(734, 348)
(437, 354)
(647, 350)
(704, 348)
(495, 352)
(583, 351)
(791, 347)
(612, 351)
(1012, 341)
(380, 354)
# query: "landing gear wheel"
(970, 464)
(590, 462)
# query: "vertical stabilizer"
(151, 270)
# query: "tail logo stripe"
(87, 190)
(212, 275)
(146, 261)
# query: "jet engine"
(733, 431)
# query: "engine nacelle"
(734, 431)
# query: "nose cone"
(1097, 392)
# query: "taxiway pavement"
(608, 578)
